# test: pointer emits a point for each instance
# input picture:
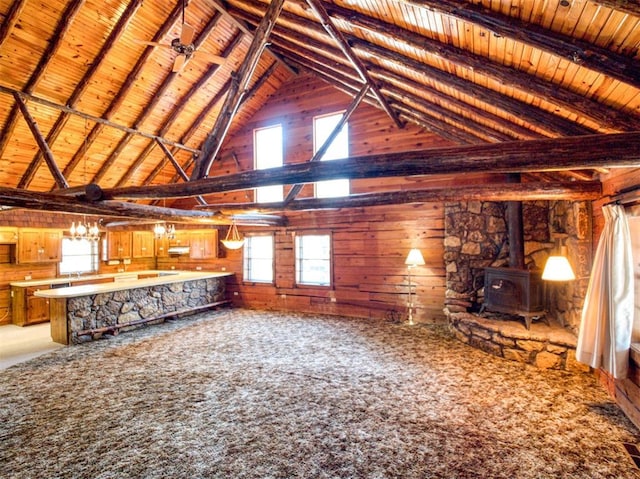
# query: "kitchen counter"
(128, 300)
(90, 277)
(124, 281)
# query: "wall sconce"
(414, 258)
(557, 267)
(233, 240)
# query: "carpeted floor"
(242, 394)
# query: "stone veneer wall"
(476, 237)
(129, 305)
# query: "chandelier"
(160, 230)
(233, 240)
(84, 230)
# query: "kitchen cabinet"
(180, 238)
(142, 244)
(204, 244)
(26, 308)
(118, 245)
(37, 245)
(162, 247)
(8, 235)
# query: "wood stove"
(514, 291)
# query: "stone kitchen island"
(80, 313)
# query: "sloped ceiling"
(93, 80)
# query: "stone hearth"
(544, 346)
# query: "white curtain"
(607, 316)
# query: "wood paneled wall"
(370, 245)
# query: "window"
(79, 256)
(267, 145)
(313, 260)
(323, 126)
(258, 259)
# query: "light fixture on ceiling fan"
(184, 46)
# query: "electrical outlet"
(283, 296)
(198, 268)
(27, 277)
(235, 293)
(333, 300)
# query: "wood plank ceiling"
(83, 98)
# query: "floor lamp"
(414, 258)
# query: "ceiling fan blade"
(210, 56)
(187, 34)
(179, 62)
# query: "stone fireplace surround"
(476, 237)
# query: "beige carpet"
(241, 394)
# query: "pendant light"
(84, 230)
(233, 240)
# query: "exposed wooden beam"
(576, 103)
(546, 121)
(96, 119)
(179, 169)
(327, 23)
(42, 143)
(213, 142)
(10, 19)
(540, 118)
(177, 110)
(627, 6)
(18, 198)
(344, 84)
(256, 86)
(586, 54)
(222, 9)
(146, 112)
(550, 154)
(131, 79)
(299, 51)
(66, 21)
(569, 190)
(430, 114)
(295, 189)
(82, 85)
(404, 86)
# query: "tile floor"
(19, 344)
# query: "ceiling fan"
(184, 46)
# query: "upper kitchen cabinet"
(8, 235)
(142, 244)
(37, 245)
(204, 244)
(119, 245)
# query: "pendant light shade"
(233, 240)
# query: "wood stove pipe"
(515, 229)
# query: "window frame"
(256, 151)
(317, 145)
(297, 260)
(94, 255)
(246, 248)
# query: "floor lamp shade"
(414, 258)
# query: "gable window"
(267, 147)
(79, 256)
(313, 259)
(258, 259)
(323, 126)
